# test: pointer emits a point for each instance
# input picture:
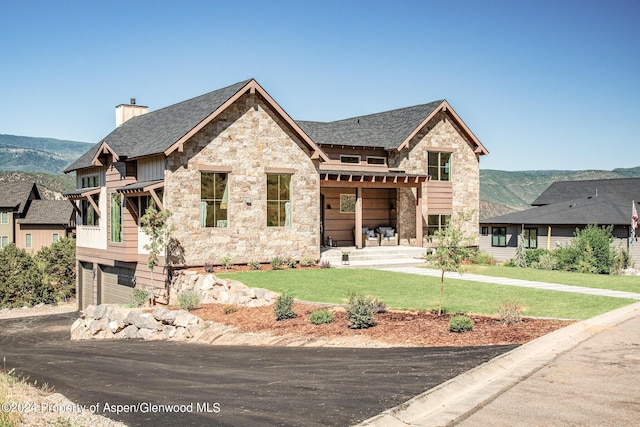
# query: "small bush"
(533, 255)
(291, 263)
(360, 311)
(547, 262)
(510, 312)
(283, 307)
(325, 264)
(319, 317)
(621, 261)
(228, 309)
(308, 261)
(461, 324)
(189, 300)
(378, 306)
(226, 262)
(276, 262)
(255, 265)
(483, 258)
(139, 297)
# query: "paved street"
(250, 385)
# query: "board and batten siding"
(151, 168)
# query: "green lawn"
(408, 291)
(603, 281)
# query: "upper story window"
(214, 199)
(116, 217)
(439, 165)
(278, 200)
(4, 217)
(90, 181)
(89, 214)
(372, 160)
(350, 159)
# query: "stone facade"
(440, 134)
(248, 140)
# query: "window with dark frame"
(116, 217)
(89, 214)
(214, 199)
(485, 231)
(350, 159)
(439, 166)
(278, 200)
(499, 237)
(530, 236)
(436, 222)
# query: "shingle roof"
(156, 131)
(603, 209)
(48, 212)
(625, 188)
(387, 130)
(16, 194)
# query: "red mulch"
(401, 328)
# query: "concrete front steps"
(374, 257)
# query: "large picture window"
(439, 166)
(436, 222)
(530, 236)
(116, 217)
(214, 199)
(278, 200)
(499, 237)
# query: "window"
(376, 160)
(91, 181)
(350, 159)
(347, 203)
(530, 236)
(436, 222)
(4, 241)
(485, 231)
(278, 200)
(116, 217)
(439, 166)
(28, 243)
(56, 238)
(89, 215)
(4, 217)
(214, 199)
(499, 237)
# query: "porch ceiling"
(370, 179)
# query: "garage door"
(86, 285)
(116, 285)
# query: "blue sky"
(543, 85)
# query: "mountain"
(504, 191)
(47, 155)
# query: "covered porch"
(352, 201)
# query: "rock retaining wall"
(108, 321)
(215, 290)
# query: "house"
(561, 209)
(243, 179)
(30, 222)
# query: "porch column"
(419, 216)
(358, 230)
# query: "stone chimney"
(126, 111)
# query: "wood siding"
(439, 198)
(151, 168)
(127, 250)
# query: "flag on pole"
(634, 222)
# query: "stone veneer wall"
(440, 132)
(248, 139)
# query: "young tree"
(154, 224)
(451, 249)
(58, 263)
(21, 281)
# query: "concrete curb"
(461, 395)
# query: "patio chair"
(388, 236)
(369, 237)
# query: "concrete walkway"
(513, 282)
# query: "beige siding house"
(243, 179)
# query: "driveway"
(224, 385)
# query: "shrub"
(291, 263)
(325, 264)
(378, 306)
(460, 323)
(621, 261)
(189, 299)
(255, 265)
(58, 263)
(283, 307)
(510, 312)
(276, 262)
(139, 297)
(228, 309)
(481, 257)
(226, 262)
(547, 262)
(308, 261)
(21, 280)
(360, 311)
(319, 317)
(532, 256)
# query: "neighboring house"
(243, 179)
(30, 222)
(561, 209)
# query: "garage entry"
(86, 284)
(116, 284)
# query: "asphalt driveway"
(225, 385)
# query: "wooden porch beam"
(358, 230)
(419, 216)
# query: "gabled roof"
(164, 130)
(625, 188)
(48, 212)
(389, 130)
(603, 209)
(14, 195)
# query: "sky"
(542, 84)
